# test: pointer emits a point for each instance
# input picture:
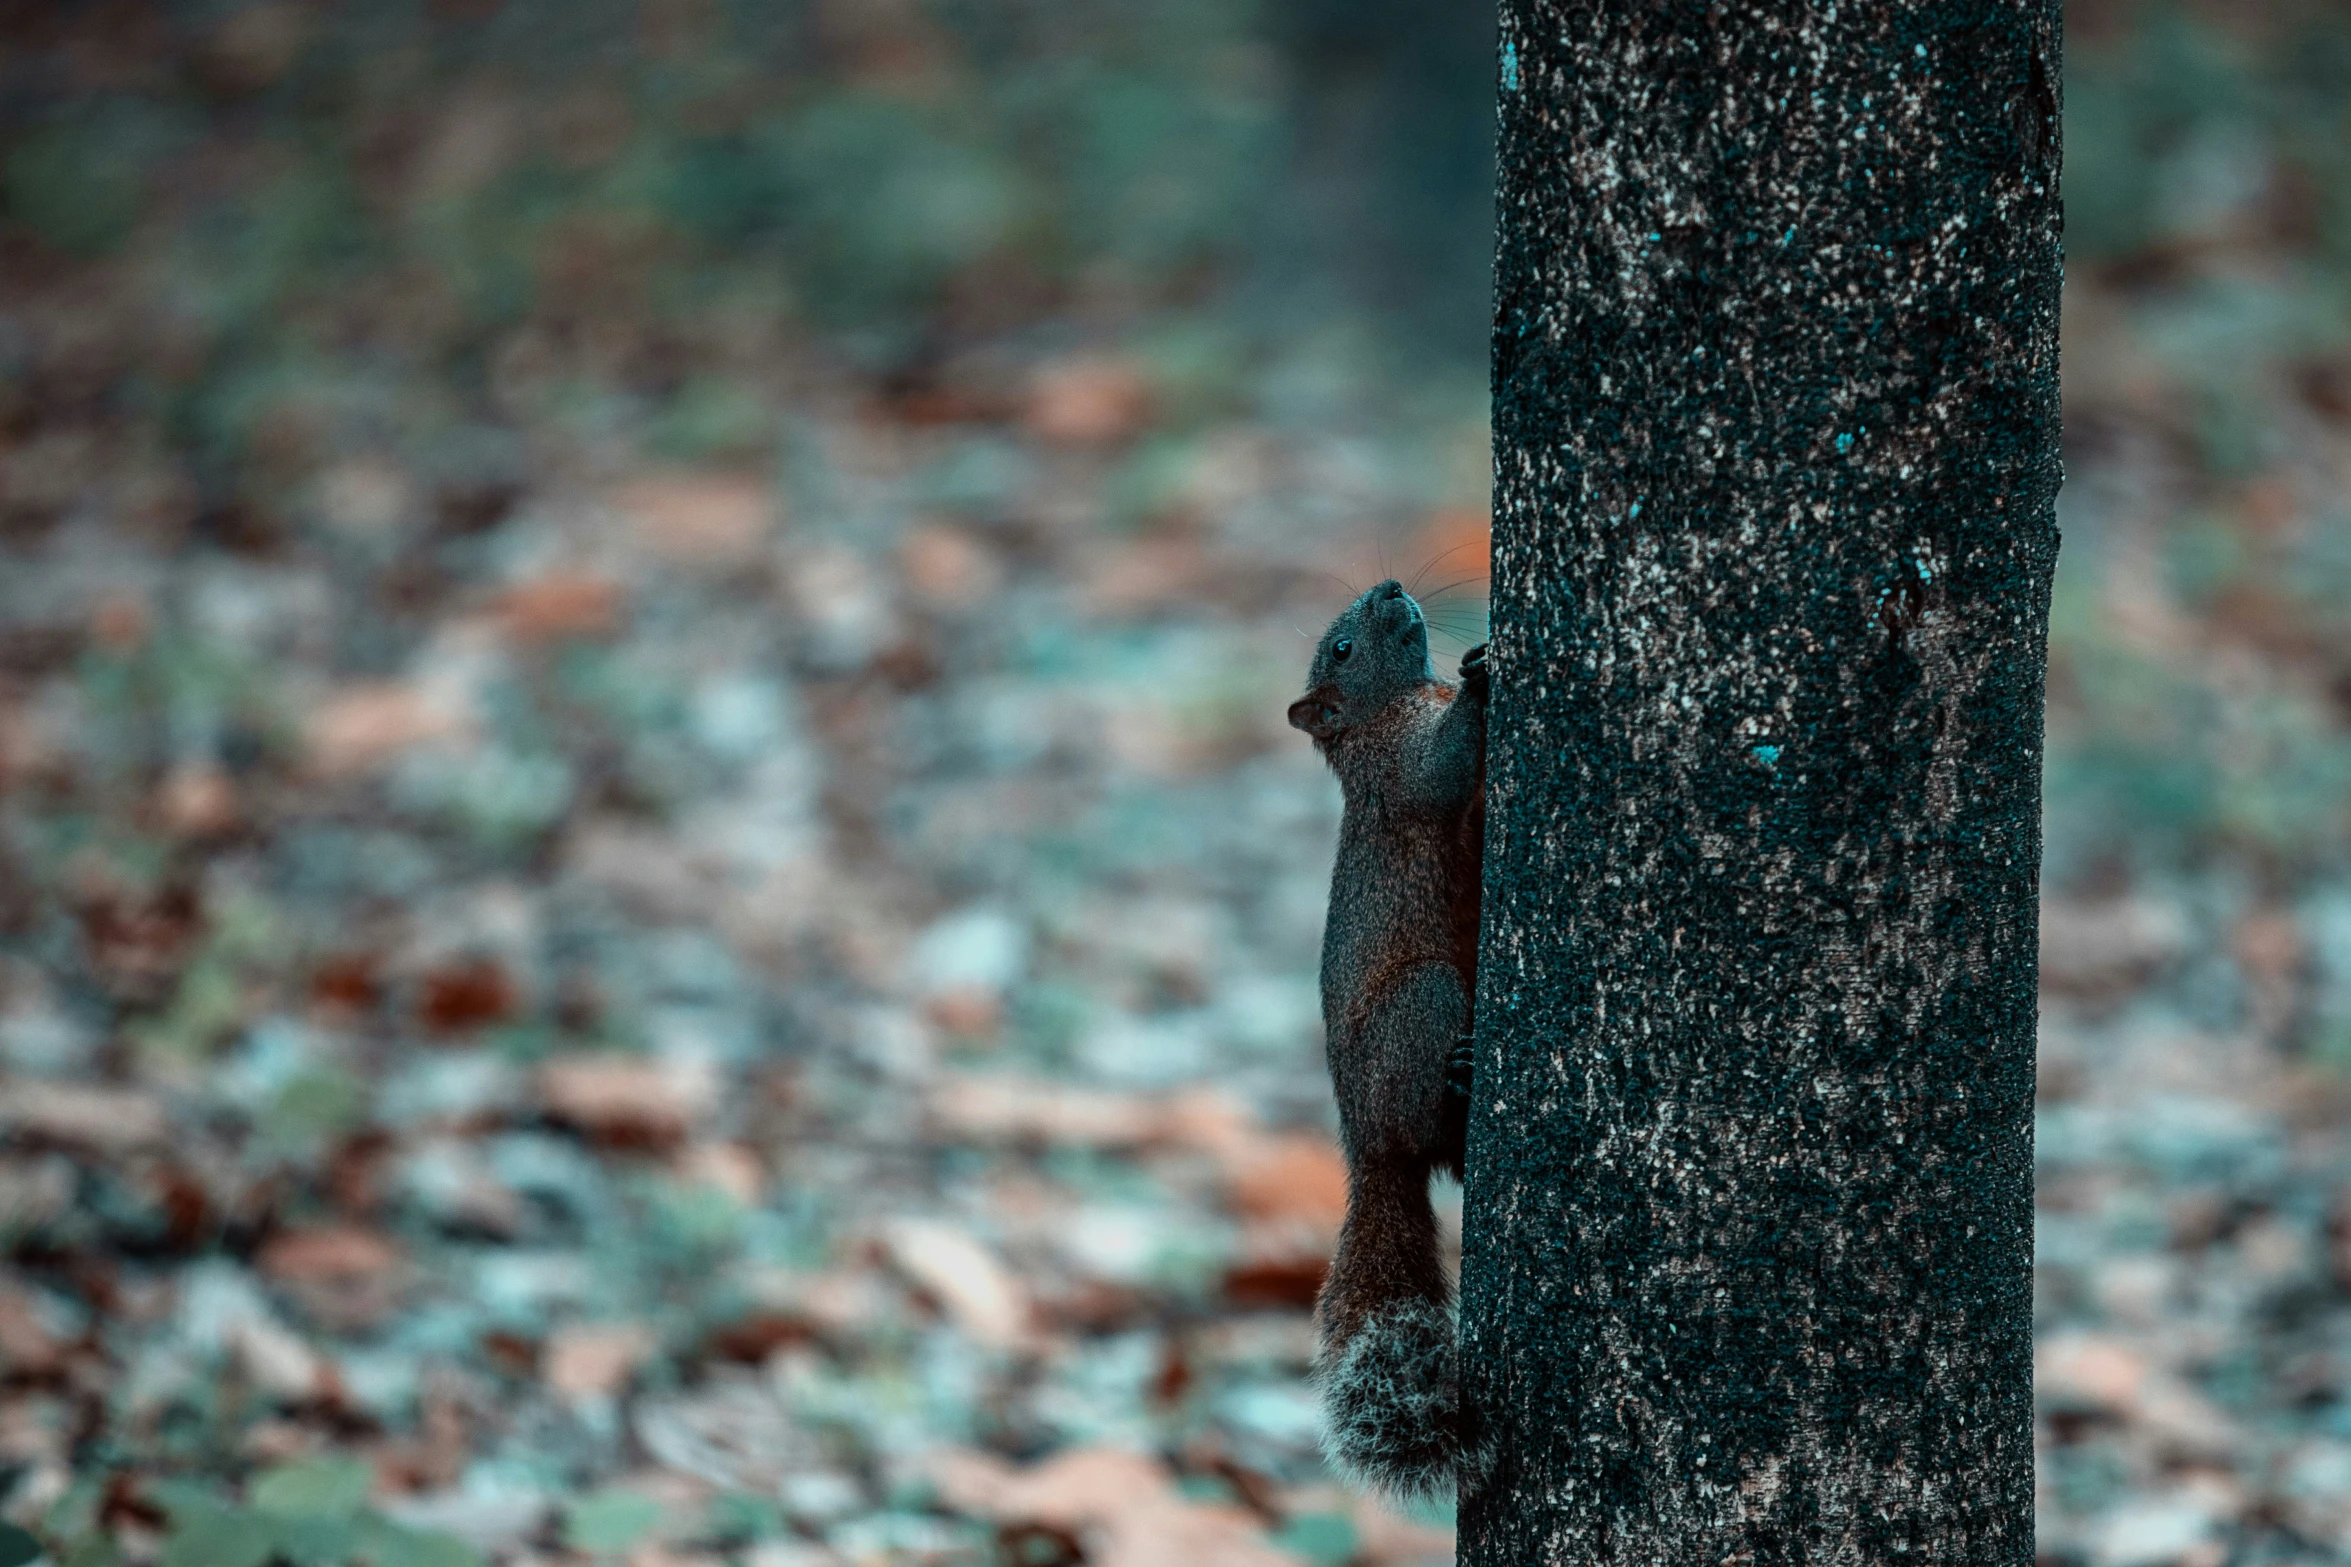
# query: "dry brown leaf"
(2103, 1371)
(996, 1107)
(1280, 1276)
(108, 1120)
(1071, 1490)
(1089, 401)
(561, 606)
(658, 1555)
(846, 1302)
(1125, 1506)
(701, 519)
(196, 800)
(1209, 1120)
(632, 1101)
(948, 566)
(789, 1553)
(592, 1360)
(333, 1254)
(1294, 1176)
(1388, 1539)
(121, 622)
(728, 1167)
(361, 727)
(1149, 575)
(966, 1278)
(2269, 944)
(967, 1013)
(464, 993)
(27, 1348)
(1005, 1109)
(277, 1361)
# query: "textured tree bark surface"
(1750, 1193)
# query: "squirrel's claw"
(1473, 669)
(1460, 1066)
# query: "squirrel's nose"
(1390, 589)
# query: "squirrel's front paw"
(1461, 1066)
(1473, 670)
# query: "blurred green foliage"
(311, 1513)
(429, 228)
(2201, 637)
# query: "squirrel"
(1399, 975)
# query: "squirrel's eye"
(1341, 648)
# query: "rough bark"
(1749, 1208)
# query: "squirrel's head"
(1376, 651)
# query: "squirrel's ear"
(1316, 717)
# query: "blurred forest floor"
(653, 902)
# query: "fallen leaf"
(2101, 1371)
(361, 727)
(789, 1553)
(328, 1255)
(967, 1013)
(627, 1101)
(1386, 1538)
(107, 1120)
(964, 1276)
(1071, 1489)
(751, 1339)
(1294, 1176)
(1091, 400)
(465, 994)
(276, 1360)
(1000, 1107)
(2269, 945)
(2092, 1368)
(347, 981)
(947, 566)
(727, 1167)
(594, 1360)
(139, 941)
(701, 519)
(659, 1555)
(1123, 1506)
(121, 622)
(27, 1348)
(196, 800)
(994, 1108)
(1148, 575)
(730, 1431)
(1283, 1282)
(561, 606)
(1210, 1120)
(845, 1302)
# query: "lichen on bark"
(1746, 1272)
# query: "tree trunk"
(1747, 1273)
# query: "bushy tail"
(1387, 1366)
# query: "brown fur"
(1399, 971)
